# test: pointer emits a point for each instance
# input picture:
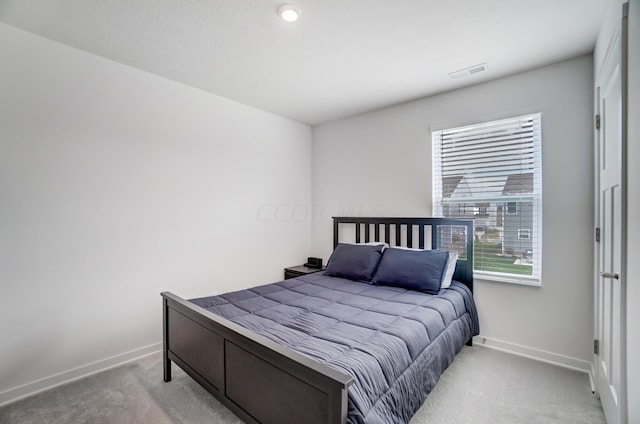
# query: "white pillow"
(372, 243)
(451, 267)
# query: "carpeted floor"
(485, 386)
(481, 386)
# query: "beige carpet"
(485, 386)
(481, 386)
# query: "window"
(494, 169)
(524, 234)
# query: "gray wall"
(116, 184)
(380, 163)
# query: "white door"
(610, 359)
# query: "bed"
(328, 349)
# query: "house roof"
(450, 184)
(464, 187)
(518, 184)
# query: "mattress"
(394, 342)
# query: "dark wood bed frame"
(262, 381)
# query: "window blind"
(492, 172)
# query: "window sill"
(505, 278)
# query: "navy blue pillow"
(354, 261)
(412, 269)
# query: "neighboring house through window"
(493, 172)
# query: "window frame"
(535, 279)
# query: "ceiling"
(342, 57)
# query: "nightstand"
(297, 271)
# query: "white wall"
(380, 163)
(115, 185)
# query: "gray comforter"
(395, 343)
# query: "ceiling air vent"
(468, 71)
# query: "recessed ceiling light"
(468, 71)
(288, 13)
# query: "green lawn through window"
(488, 257)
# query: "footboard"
(258, 379)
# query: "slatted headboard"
(434, 233)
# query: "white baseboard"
(537, 354)
(46, 383)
